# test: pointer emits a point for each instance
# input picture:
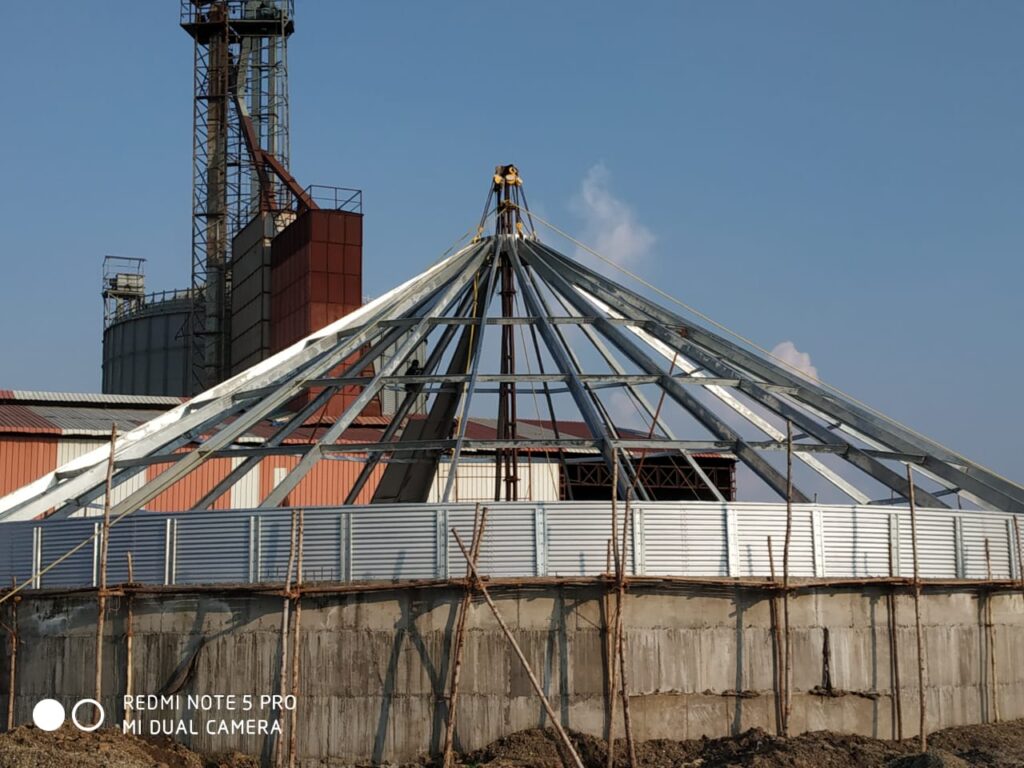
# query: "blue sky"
(846, 177)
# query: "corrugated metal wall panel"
(391, 543)
(275, 534)
(508, 544)
(755, 523)
(936, 545)
(16, 552)
(327, 484)
(856, 542)
(143, 536)
(212, 547)
(976, 529)
(24, 459)
(578, 538)
(562, 538)
(322, 540)
(538, 481)
(79, 569)
(688, 541)
(68, 450)
(184, 494)
(245, 494)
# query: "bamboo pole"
(1020, 552)
(285, 617)
(621, 638)
(894, 650)
(773, 606)
(296, 655)
(519, 652)
(990, 631)
(129, 636)
(12, 671)
(787, 650)
(479, 520)
(610, 672)
(922, 704)
(101, 595)
(612, 621)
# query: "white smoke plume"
(610, 226)
(788, 353)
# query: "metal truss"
(510, 320)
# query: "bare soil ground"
(28, 747)
(993, 746)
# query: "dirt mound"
(67, 747)
(992, 746)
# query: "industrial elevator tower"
(240, 122)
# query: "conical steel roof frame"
(719, 384)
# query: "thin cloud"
(610, 226)
(788, 353)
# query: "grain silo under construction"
(680, 536)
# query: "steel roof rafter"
(774, 479)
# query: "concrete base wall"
(375, 665)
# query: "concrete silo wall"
(375, 664)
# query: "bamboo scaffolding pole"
(894, 650)
(129, 637)
(610, 671)
(296, 655)
(285, 618)
(519, 652)
(612, 620)
(773, 610)
(12, 668)
(922, 703)
(1020, 552)
(101, 595)
(990, 632)
(621, 638)
(479, 522)
(788, 656)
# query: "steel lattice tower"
(241, 84)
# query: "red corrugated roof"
(22, 419)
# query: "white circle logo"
(48, 715)
(87, 728)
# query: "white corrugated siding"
(755, 523)
(975, 530)
(688, 543)
(936, 545)
(856, 542)
(474, 481)
(522, 539)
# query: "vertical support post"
(990, 632)
(787, 645)
(773, 606)
(101, 595)
(1020, 552)
(129, 637)
(479, 521)
(613, 620)
(894, 650)
(285, 616)
(621, 640)
(297, 628)
(519, 653)
(921, 667)
(12, 670)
